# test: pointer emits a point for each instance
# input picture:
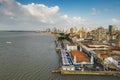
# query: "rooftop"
(104, 56)
(97, 45)
(71, 44)
(99, 52)
(80, 57)
(101, 46)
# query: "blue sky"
(61, 13)
(105, 8)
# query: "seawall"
(110, 73)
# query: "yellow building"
(82, 33)
(118, 40)
(73, 30)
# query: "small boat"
(8, 42)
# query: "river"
(32, 56)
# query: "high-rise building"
(73, 30)
(118, 40)
(112, 29)
(101, 34)
(82, 33)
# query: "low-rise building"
(71, 47)
(101, 55)
(118, 40)
(68, 68)
(64, 58)
(116, 56)
(79, 58)
(89, 48)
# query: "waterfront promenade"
(110, 73)
(66, 72)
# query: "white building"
(110, 60)
(64, 58)
(71, 47)
(69, 68)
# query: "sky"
(41, 14)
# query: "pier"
(56, 71)
(66, 72)
(109, 73)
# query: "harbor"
(68, 66)
(38, 62)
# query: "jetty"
(66, 72)
(109, 73)
(56, 71)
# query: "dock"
(109, 73)
(56, 71)
(66, 72)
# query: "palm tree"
(63, 36)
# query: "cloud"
(115, 21)
(16, 16)
(94, 12)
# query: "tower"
(112, 31)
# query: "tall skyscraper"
(112, 29)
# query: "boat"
(8, 42)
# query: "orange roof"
(99, 52)
(80, 57)
(71, 44)
(104, 56)
(114, 48)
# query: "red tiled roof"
(99, 52)
(80, 57)
(71, 44)
(104, 56)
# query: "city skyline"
(35, 14)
